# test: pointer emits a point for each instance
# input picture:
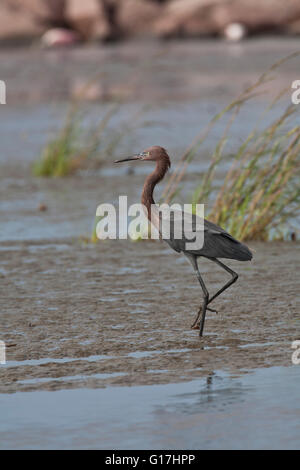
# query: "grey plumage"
(217, 242)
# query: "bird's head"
(153, 154)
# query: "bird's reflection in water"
(216, 392)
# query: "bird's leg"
(202, 310)
(233, 279)
(200, 318)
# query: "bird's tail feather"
(223, 245)
(233, 249)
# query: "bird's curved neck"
(151, 181)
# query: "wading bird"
(217, 243)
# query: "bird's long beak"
(128, 159)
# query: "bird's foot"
(212, 310)
(196, 324)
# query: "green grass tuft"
(260, 192)
(75, 147)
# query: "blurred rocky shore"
(63, 22)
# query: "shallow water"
(216, 412)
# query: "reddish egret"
(217, 242)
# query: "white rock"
(235, 32)
(59, 37)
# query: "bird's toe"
(212, 310)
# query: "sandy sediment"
(119, 312)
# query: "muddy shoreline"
(118, 313)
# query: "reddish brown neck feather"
(151, 181)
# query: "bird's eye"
(144, 154)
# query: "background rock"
(116, 19)
(21, 19)
(59, 37)
(89, 18)
(136, 17)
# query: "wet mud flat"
(79, 315)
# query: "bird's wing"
(181, 229)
